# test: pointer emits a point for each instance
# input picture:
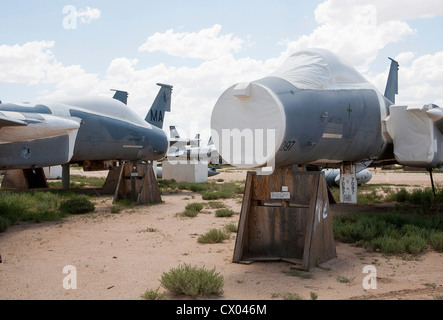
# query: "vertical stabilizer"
(392, 86)
(161, 105)
(196, 141)
(174, 133)
(121, 96)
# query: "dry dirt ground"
(120, 256)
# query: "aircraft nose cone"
(248, 125)
(157, 147)
(161, 145)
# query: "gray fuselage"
(328, 126)
(109, 130)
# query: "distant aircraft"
(318, 110)
(88, 129)
(190, 152)
(177, 141)
(121, 96)
(179, 148)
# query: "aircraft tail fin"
(162, 104)
(174, 133)
(196, 141)
(121, 96)
(392, 86)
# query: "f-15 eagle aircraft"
(80, 129)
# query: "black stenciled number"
(287, 145)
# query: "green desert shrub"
(436, 240)
(153, 295)
(30, 206)
(192, 209)
(215, 205)
(390, 233)
(77, 205)
(4, 224)
(231, 227)
(224, 213)
(213, 236)
(193, 281)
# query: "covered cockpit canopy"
(319, 69)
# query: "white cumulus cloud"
(206, 44)
(353, 30)
(34, 63)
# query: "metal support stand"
(348, 183)
(66, 176)
(432, 180)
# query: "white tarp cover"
(413, 134)
(319, 69)
(252, 116)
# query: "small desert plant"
(231, 227)
(213, 236)
(224, 213)
(436, 240)
(215, 205)
(299, 274)
(193, 281)
(292, 296)
(195, 207)
(191, 210)
(343, 279)
(153, 295)
(4, 224)
(116, 209)
(77, 205)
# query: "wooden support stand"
(25, 179)
(137, 183)
(112, 180)
(285, 216)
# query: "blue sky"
(203, 47)
(122, 28)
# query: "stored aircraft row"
(315, 109)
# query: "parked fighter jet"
(79, 129)
(177, 141)
(196, 153)
(317, 109)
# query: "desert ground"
(120, 256)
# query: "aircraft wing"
(9, 122)
(36, 140)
